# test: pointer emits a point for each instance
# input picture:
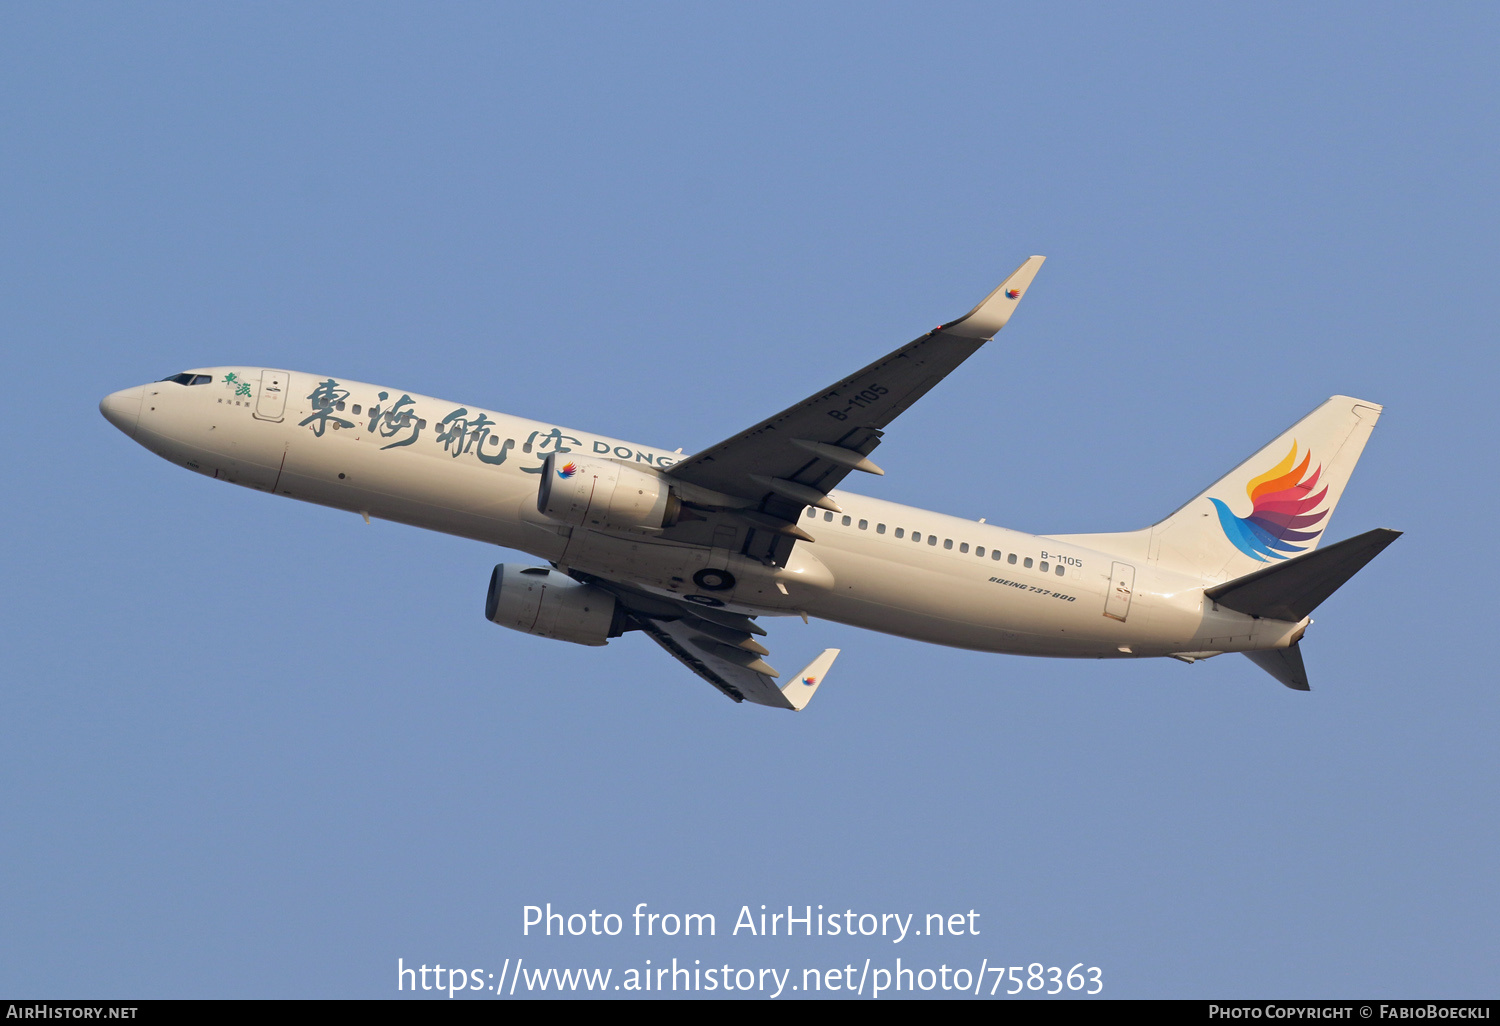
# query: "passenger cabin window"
(948, 543)
(979, 551)
(996, 555)
(963, 547)
(1011, 558)
(828, 517)
(1059, 570)
(916, 536)
(1045, 568)
(932, 539)
(864, 525)
(1028, 562)
(848, 520)
(880, 529)
(900, 531)
(812, 514)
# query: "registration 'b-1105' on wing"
(696, 551)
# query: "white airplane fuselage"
(475, 473)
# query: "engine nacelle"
(584, 492)
(536, 600)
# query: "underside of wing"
(732, 674)
(794, 459)
(720, 646)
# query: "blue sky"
(256, 748)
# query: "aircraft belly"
(638, 560)
(951, 602)
(669, 568)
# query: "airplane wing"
(794, 459)
(719, 646)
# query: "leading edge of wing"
(849, 414)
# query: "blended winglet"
(799, 691)
(992, 314)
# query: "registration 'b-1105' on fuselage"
(693, 550)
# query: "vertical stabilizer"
(1275, 505)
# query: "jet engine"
(537, 600)
(601, 494)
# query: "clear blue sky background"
(257, 748)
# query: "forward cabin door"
(1121, 584)
(271, 403)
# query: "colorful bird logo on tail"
(1281, 515)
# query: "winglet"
(992, 314)
(799, 691)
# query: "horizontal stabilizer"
(1285, 664)
(1293, 589)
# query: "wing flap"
(735, 673)
(737, 682)
(719, 646)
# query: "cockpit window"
(190, 379)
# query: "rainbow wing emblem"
(809, 681)
(1281, 516)
(568, 471)
(1012, 293)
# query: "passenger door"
(1121, 584)
(271, 403)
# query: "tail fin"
(1276, 504)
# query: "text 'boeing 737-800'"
(694, 550)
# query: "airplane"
(693, 550)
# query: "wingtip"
(994, 312)
(801, 688)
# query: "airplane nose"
(123, 408)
